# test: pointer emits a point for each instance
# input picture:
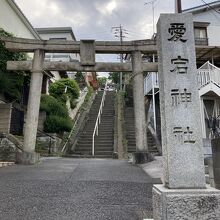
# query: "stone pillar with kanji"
(184, 194)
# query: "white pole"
(93, 147)
(154, 109)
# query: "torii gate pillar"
(141, 155)
(29, 156)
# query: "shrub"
(63, 88)
(52, 106)
(11, 83)
(73, 103)
(57, 120)
(102, 81)
(57, 124)
(89, 93)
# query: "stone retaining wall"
(5, 117)
(53, 142)
(7, 150)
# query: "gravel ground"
(84, 189)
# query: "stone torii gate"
(87, 50)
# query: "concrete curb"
(153, 168)
(5, 164)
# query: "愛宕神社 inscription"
(184, 135)
(177, 30)
(180, 65)
(180, 97)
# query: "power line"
(133, 32)
(210, 6)
(120, 32)
(139, 35)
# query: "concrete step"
(104, 145)
(74, 155)
(106, 128)
(106, 123)
(83, 146)
(103, 153)
(85, 143)
(104, 138)
(85, 136)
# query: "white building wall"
(56, 76)
(213, 30)
(55, 56)
(56, 35)
(214, 35)
(11, 22)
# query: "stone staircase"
(104, 141)
(130, 133)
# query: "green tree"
(79, 78)
(101, 81)
(64, 88)
(114, 77)
(52, 106)
(11, 83)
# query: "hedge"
(57, 120)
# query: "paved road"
(84, 189)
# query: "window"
(200, 32)
(57, 38)
(201, 36)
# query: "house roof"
(51, 30)
(23, 18)
(202, 8)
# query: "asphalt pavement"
(75, 189)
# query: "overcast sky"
(93, 19)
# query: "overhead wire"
(210, 6)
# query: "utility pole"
(178, 6)
(119, 32)
(152, 3)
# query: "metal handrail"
(44, 133)
(70, 134)
(98, 120)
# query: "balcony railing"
(150, 82)
(202, 41)
(209, 75)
